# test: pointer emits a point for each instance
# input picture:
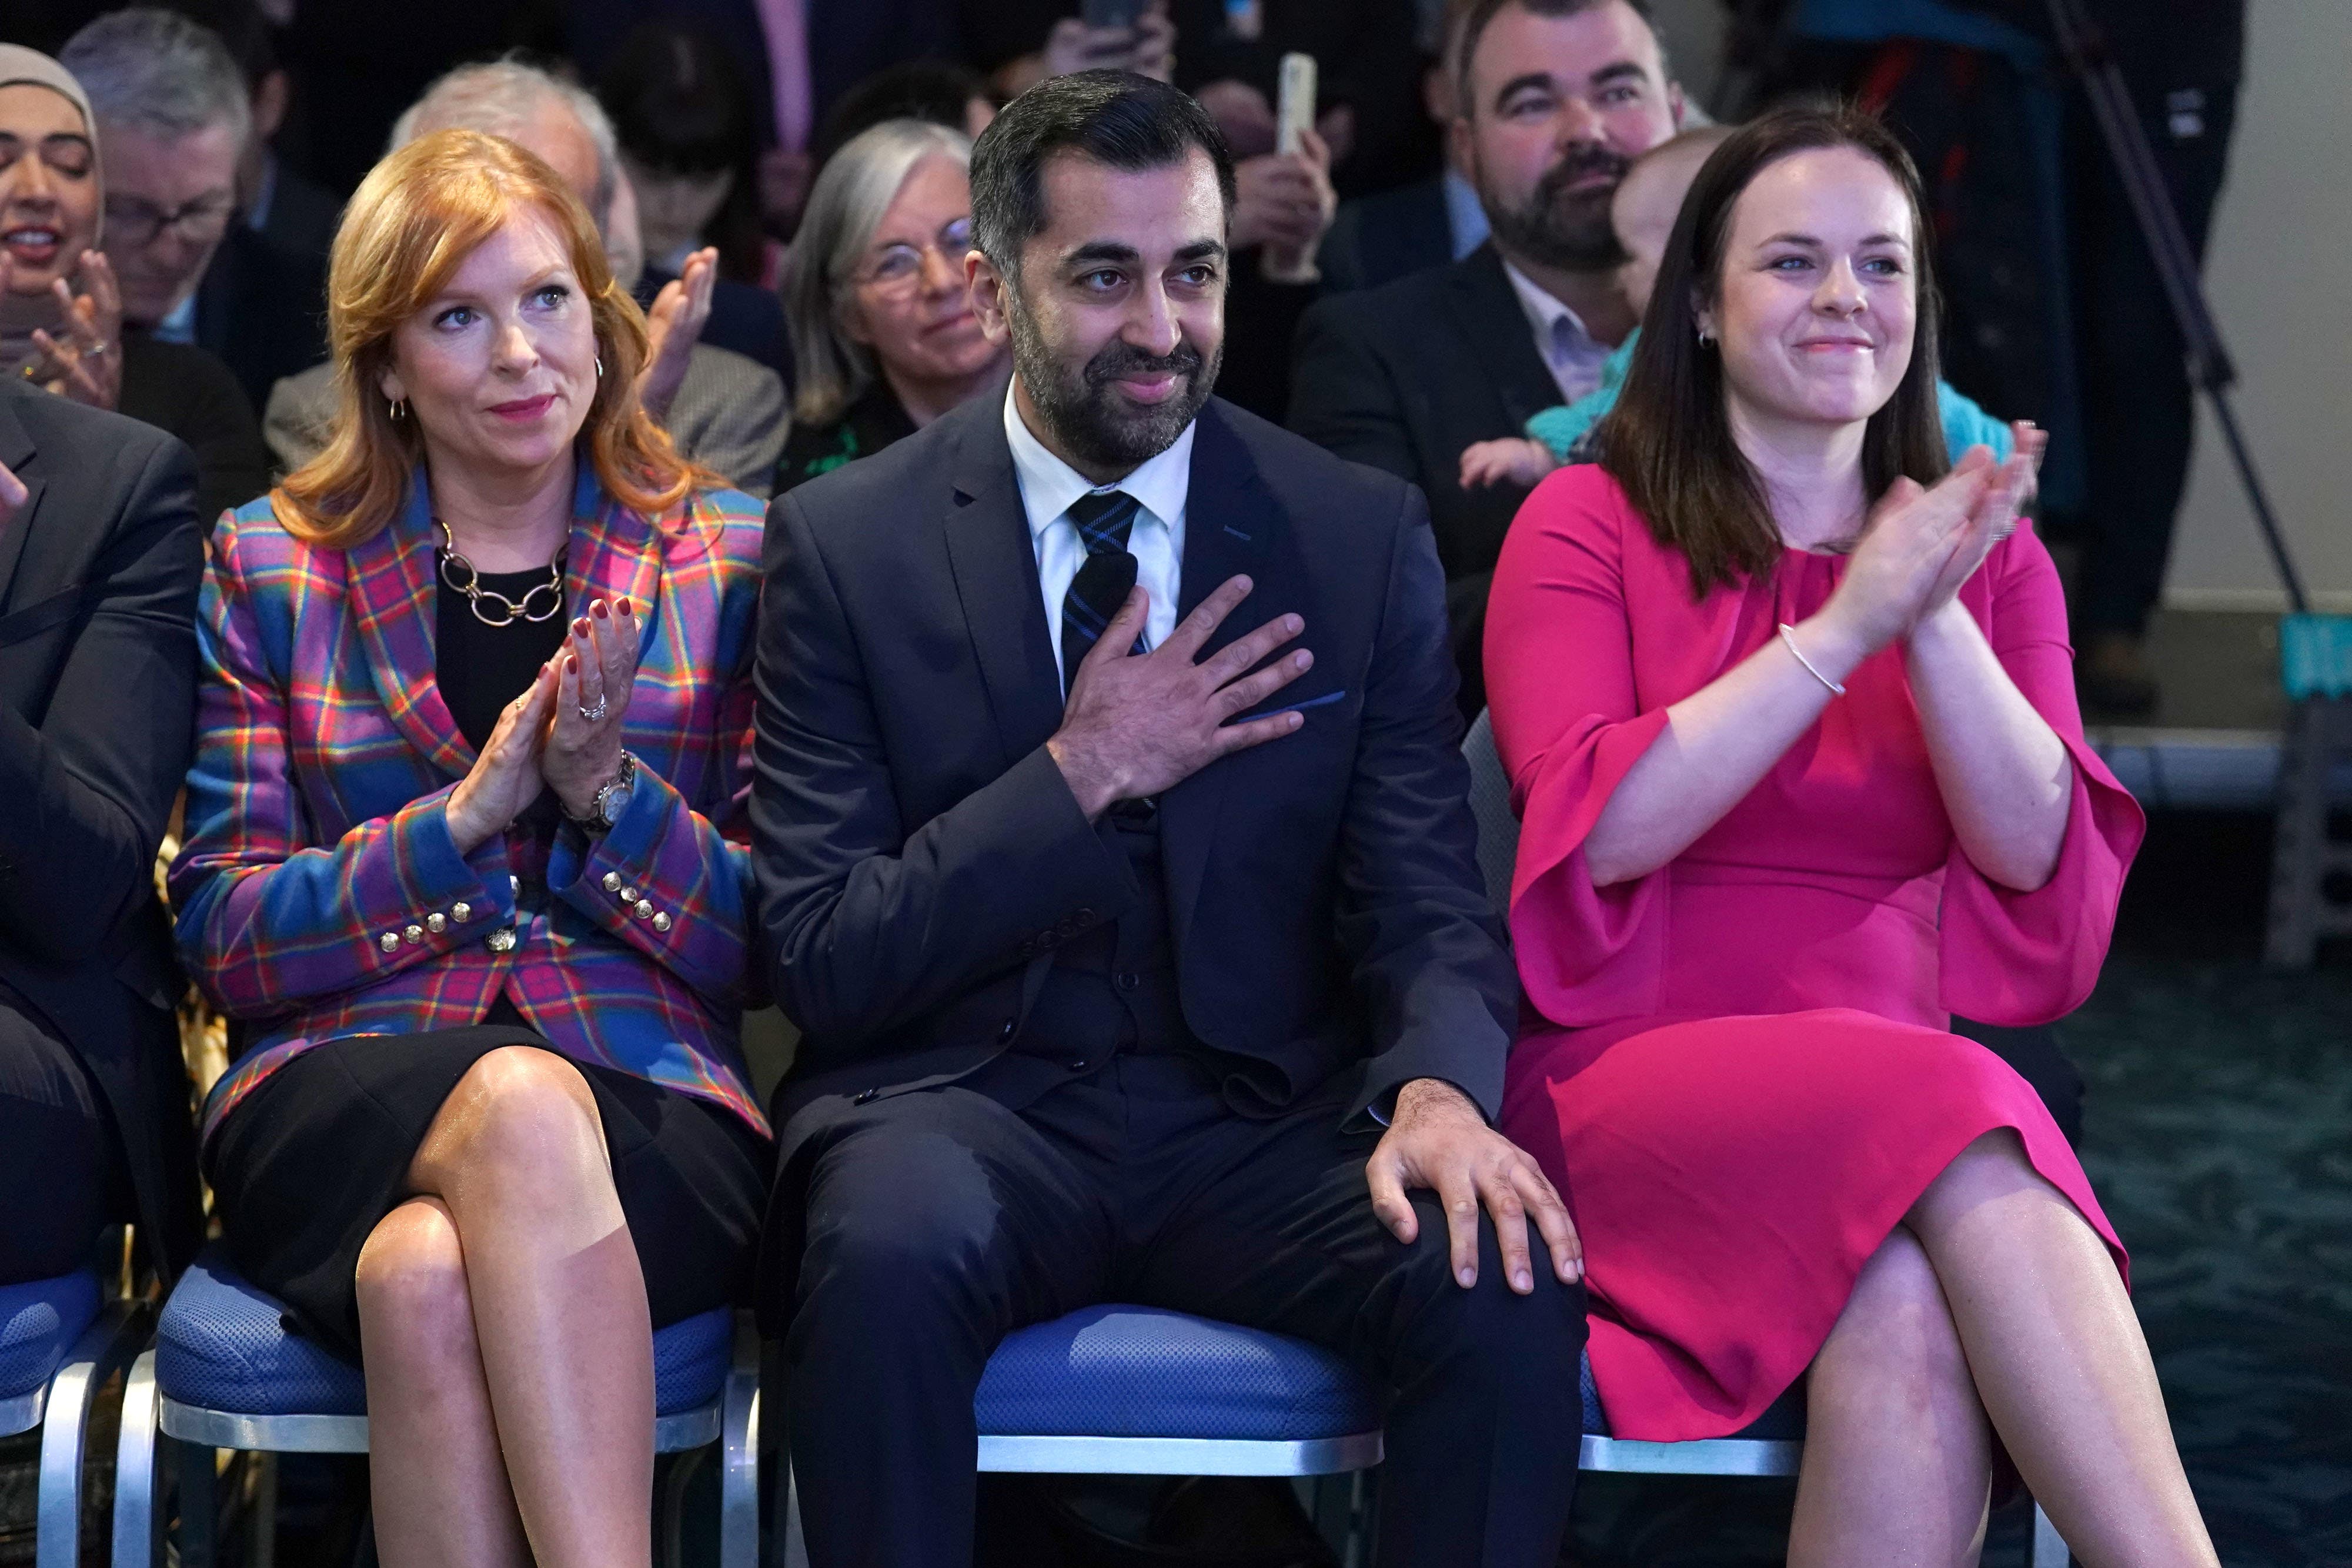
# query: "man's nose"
(1579, 121)
(1152, 324)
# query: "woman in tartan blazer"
(471, 872)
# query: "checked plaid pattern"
(1104, 520)
(325, 760)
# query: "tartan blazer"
(320, 893)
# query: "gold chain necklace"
(507, 611)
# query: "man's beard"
(1572, 232)
(1094, 423)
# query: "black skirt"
(314, 1158)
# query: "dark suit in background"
(1047, 1062)
(1403, 378)
(99, 572)
(184, 391)
(1382, 237)
(261, 308)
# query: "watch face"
(613, 802)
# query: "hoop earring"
(399, 410)
(599, 367)
(1705, 340)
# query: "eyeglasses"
(131, 221)
(896, 268)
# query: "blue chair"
(1121, 1390)
(58, 1341)
(1774, 1443)
(226, 1374)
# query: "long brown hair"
(414, 220)
(1668, 441)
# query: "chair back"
(1490, 803)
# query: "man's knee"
(1539, 1335)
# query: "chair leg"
(63, 1428)
(669, 1523)
(795, 1548)
(261, 1515)
(199, 1473)
(135, 1537)
(2046, 1550)
(739, 1464)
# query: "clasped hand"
(562, 734)
(1137, 725)
(1922, 542)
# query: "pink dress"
(1739, 1067)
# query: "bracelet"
(1789, 635)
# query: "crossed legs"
(508, 1359)
(1994, 1308)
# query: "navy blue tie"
(1104, 520)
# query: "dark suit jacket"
(261, 308)
(184, 391)
(98, 673)
(1380, 238)
(920, 857)
(1406, 376)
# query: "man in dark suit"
(100, 556)
(1557, 99)
(1163, 977)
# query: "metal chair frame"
(1080, 1454)
(731, 1420)
(61, 1408)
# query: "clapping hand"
(1139, 724)
(505, 778)
(1438, 1140)
(84, 361)
(2008, 489)
(673, 327)
(595, 671)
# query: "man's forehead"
(1573, 45)
(1087, 201)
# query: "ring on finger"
(593, 714)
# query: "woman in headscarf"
(60, 315)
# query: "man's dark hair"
(1115, 118)
(1469, 20)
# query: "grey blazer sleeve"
(730, 416)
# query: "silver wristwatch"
(612, 798)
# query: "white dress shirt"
(1048, 485)
(1573, 355)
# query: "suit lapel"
(390, 578)
(995, 568)
(16, 452)
(1492, 318)
(615, 554)
(1231, 521)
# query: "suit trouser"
(58, 1161)
(934, 1223)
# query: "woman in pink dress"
(1787, 713)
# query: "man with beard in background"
(1556, 100)
(1139, 953)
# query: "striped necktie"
(1104, 520)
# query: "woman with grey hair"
(882, 329)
